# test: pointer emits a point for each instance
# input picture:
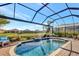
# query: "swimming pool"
(39, 47)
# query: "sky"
(26, 14)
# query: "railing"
(70, 48)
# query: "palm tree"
(47, 28)
(3, 22)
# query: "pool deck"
(63, 52)
(5, 50)
(60, 52)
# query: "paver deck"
(75, 47)
(5, 50)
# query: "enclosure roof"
(40, 13)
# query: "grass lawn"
(23, 36)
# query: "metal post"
(70, 48)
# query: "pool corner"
(12, 52)
(59, 49)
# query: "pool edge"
(59, 49)
(12, 52)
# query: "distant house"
(13, 31)
(2, 31)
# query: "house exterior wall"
(68, 28)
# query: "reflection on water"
(41, 48)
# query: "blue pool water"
(38, 48)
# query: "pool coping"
(12, 52)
